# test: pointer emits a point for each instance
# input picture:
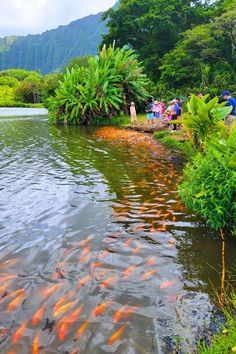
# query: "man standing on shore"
(231, 101)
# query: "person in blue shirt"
(231, 101)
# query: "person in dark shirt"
(231, 102)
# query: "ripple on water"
(97, 253)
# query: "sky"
(22, 17)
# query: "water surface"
(97, 253)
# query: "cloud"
(21, 17)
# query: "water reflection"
(97, 253)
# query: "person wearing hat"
(231, 102)
(133, 113)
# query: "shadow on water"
(97, 253)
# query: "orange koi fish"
(137, 250)
(149, 274)
(128, 271)
(152, 228)
(84, 242)
(117, 316)
(130, 311)
(110, 280)
(35, 346)
(116, 335)
(167, 284)
(174, 219)
(49, 291)
(59, 303)
(84, 280)
(101, 308)
(166, 216)
(85, 259)
(64, 309)
(19, 333)
(128, 242)
(104, 254)
(18, 300)
(7, 277)
(151, 261)
(9, 263)
(66, 322)
(16, 293)
(38, 315)
(82, 329)
(85, 251)
(96, 265)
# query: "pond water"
(97, 253)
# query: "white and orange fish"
(82, 329)
(61, 310)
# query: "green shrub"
(8, 81)
(161, 134)
(209, 187)
(103, 89)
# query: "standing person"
(176, 112)
(157, 112)
(133, 113)
(231, 102)
(163, 106)
(150, 114)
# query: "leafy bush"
(161, 134)
(102, 89)
(209, 187)
(204, 118)
(8, 81)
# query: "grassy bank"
(224, 342)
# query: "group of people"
(158, 114)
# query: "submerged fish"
(17, 301)
(96, 265)
(64, 308)
(84, 280)
(68, 321)
(116, 335)
(128, 271)
(128, 242)
(149, 274)
(35, 346)
(117, 316)
(151, 261)
(110, 280)
(38, 315)
(19, 333)
(85, 251)
(49, 291)
(167, 284)
(82, 329)
(101, 308)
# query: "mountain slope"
(51, 50)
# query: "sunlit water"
(97, 253)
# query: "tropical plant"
(209, 186)
(204, 118)
(112, 79)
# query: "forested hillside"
(185, 46)
(53, 49)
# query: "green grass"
(175, 141)
(224, 342)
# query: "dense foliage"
(173, 37)
(204, 119)
(50, 51)
(20, 87)
(102, 89)
(209, 188)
